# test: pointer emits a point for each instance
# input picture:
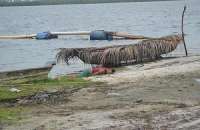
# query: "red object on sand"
(100, 70)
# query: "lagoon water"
(143, 18)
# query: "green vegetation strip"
(30, 85)
(10, 114)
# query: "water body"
(143, 18)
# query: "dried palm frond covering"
(150, 49)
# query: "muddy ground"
(161, 95)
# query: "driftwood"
(150, 49)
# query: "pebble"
(113, 94)
(139, 100)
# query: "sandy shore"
(162, 95)
(160, 68)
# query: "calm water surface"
(143, 18)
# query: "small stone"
(182, 105)
(139, 101)
(113, 94)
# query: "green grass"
(32, 85)
(9, 115)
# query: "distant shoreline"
(62, 2)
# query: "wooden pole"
(19, 37)
(128, 36)
(55, 33)
(117, 34)
(72, 33)
(186, 53)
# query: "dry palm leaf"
(150, 49)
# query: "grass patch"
(8, 115)
(31, 85)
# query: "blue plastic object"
(85, 73)
(45, 35)
(100, 35)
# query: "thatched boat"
(150, 49)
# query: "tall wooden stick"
(186, 53)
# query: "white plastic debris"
(198, 80)
(15, 90)
(113, 94)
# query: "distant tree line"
(55, 2)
